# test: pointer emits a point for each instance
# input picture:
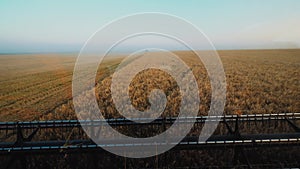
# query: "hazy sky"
(56, 26)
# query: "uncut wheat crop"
(39, 87)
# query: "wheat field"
(39, 86)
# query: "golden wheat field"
(39, 86)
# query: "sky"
(64, 26)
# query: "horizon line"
(74, 52)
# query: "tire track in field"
(53, 76)
(38, 94)
(32, 90)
